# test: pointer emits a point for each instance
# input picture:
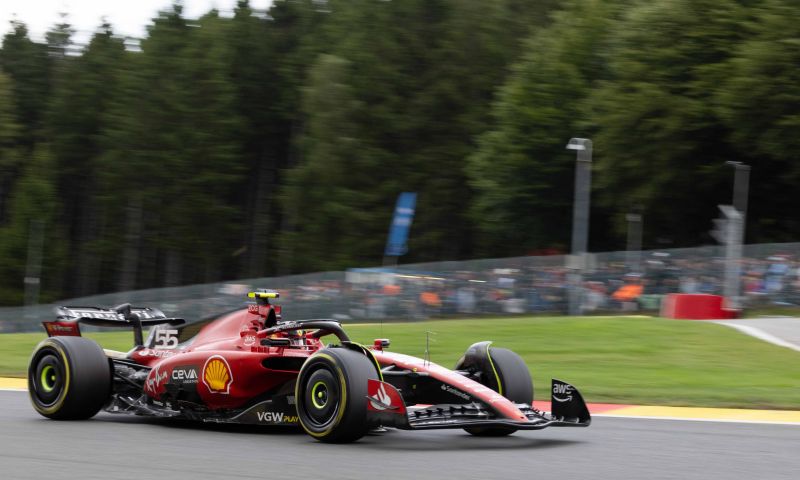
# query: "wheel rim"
(319, 395)
(48, 379)
(321, 398)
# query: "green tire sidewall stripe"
(494, 370)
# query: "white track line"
(761, 335)
(715, 420)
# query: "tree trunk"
(259, 231)
(284, 264)
(173, 268)
(88, 260)
(133, 237)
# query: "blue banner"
(401, 224)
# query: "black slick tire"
(69, 378)
(331, 395)
(512, 379)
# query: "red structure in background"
(696, 306)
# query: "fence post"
(33, 269)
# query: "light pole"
(580, 218)
(741, 186)
(634, 244)
(737, 220)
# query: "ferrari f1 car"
(251, 367)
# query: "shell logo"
(217, 375)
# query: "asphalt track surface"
(125, 447)
(785, 329)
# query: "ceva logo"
(188, 375)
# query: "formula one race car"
(250, 367)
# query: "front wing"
(386, 407)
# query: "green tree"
(59, 37)
(210, 161)
(9, 133)
(659, 136)
(380, 54)
(420, 77)
(84, 88)
(27, 64)
(472, 47)
(269, 59)
(759, 101)
(27, 67)
(324, 201)
(32, 234)
(521, 172)
(171, 159)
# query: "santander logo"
(381, 400)
(383, 397)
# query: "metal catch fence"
(613, 282)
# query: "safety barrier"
(489, 287)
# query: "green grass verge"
(16, 348)
(610, 359)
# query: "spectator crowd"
(517, 289)
(770, 275)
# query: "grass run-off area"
(639, 360)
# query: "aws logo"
(564, 390)
(217, 375)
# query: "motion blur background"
(258, 143)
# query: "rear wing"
(68, 320)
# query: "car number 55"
(166, 339)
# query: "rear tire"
(69, 378)
(510, 378)
(331, 395)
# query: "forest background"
(276, 142)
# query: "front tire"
(69, 378)
(331, 395)
(509, 376)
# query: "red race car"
(250, 367)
